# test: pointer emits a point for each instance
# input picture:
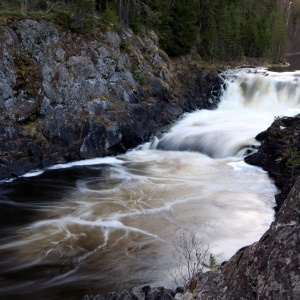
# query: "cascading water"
(249, 105)
(106, 224)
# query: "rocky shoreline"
(279, 154)
(67, 97)
(269, 268)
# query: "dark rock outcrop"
(146, 292)
(67, 97)
(279, 154)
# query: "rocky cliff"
(66, 97)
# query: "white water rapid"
(106, 224)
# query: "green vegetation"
(82, 16)
(219, 30)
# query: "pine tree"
(179, 26)
(278, 35)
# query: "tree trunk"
(101, 5)
(124, 13)
(24, 7)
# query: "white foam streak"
(33, 174)
(60, 225)
(241, 165)
(87, 162)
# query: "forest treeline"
(218, 30)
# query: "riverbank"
(67, 97)
(253, 272)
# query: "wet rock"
(158, 293)
(91, 146)
(97, 297)
(61, 128)
(124, 295)
(279, 154)
(4, 170)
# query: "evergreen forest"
(217, 30)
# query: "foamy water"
(105, 224)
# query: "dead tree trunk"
(24, 7)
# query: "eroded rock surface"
(279, 154)
(67, 97)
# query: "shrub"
(192, 256)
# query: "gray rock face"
(75, 97)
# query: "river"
(105, 224)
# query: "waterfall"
(105, 224)
(248, 106)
